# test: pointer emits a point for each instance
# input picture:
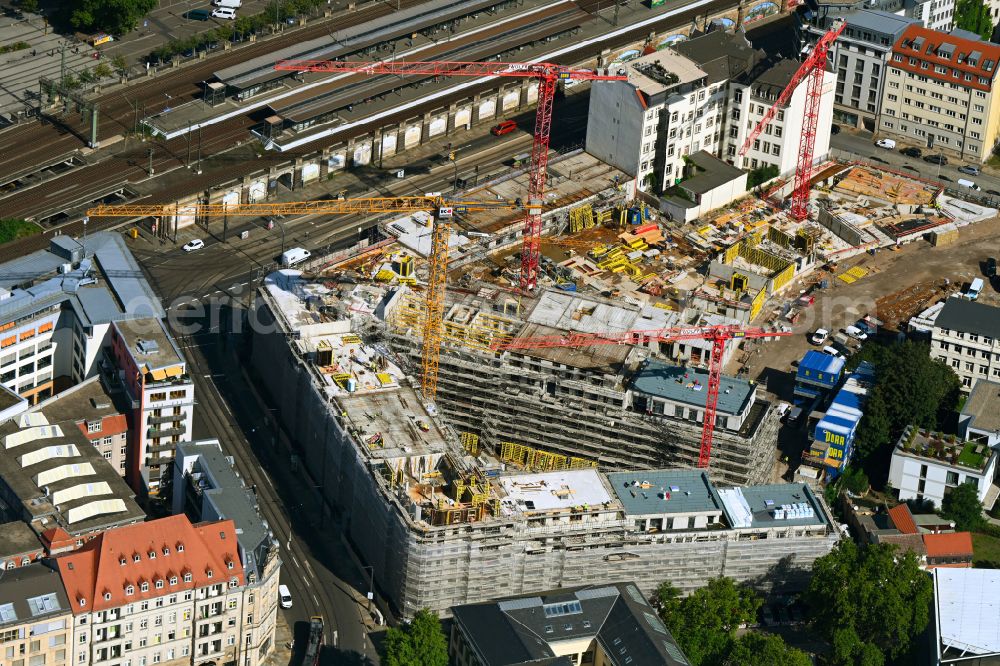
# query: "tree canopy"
(116, 17)
(870, 603)
(962, 505)
(705, 623)
(974, 16)
(419, 643)
(754, 649)
(910, 388)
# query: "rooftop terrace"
(946, 449)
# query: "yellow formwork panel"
(470, 442)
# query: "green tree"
(754, 649)
(855, 480)
(910, 388)
(120, 63)
(419, 643)
(869, 603)
(102, 71)
(962, 505)
(28, 5)
(116, 17)
(761, 175)
(974, 16)
(224, 32)
(705, 623)
(13, 227)
(243, 24)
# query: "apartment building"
(36, 621)
(53, 477)
(425, 502)
(609, 624)
(19, 545)
(966, 337)
(646, 126)
(207, 488)
(939, 93)
(153, 373)
(753, 95)
(926, 465)
(932, 14)
(860, 56)
(162, 592)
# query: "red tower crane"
(812, 67)
(717, 335)
(547, 74)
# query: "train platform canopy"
(260, 70)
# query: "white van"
(232, 4)
(284, 596)
(294, 256)
(962, 182)
(886, 143)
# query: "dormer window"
(166, 551)
(173, 580)
(83, 602)
(180, 548)
(159, 584)
(152, 554)
(144, 586)
(130, 590)
(229, 564)
(136, 558)
(187, 576)
(107, 596)
(93, 426)
(209, 573)
(123, 561)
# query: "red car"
(506, 127)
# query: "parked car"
(991, 267)
(224, 13)
(506, 127)
(834, 129)
(965, 182)
(936, 159)
(886, 143)
(284, 596)
(856, 333)
(969, 169)
(832, 352)
(193, 245)
(912, 152)
(197, 14)
(820, 336)
(844, 350)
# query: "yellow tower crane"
(442, 208)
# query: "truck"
(315, 644)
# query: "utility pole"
(453, 156)
(187, 135)
(199, 150)
(151, 162)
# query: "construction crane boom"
(717, 335)
(812, 68)
(443, 210)
(548, 76)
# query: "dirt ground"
(897, 281)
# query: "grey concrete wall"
(614, 125)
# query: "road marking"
(315, 599)
(296, 561)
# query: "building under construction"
(443, 520)
(614, 405)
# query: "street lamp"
(85, 220)
(371, 585)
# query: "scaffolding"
(470, 443)
(539, 460)
(478, 331)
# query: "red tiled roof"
(950, 544)
(903, 519)
(928, 52)
(96, 578)
(115, 424)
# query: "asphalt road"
(864, 148)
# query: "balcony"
(165, 432)
(166, 418)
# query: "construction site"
(429, 499)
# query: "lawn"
(12, 229)
(970, 458)
(986, 548)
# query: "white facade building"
(778, 144)
(966, 337)
(925, 465)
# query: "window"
(952, 479)
(130, 590)
(144, 586)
